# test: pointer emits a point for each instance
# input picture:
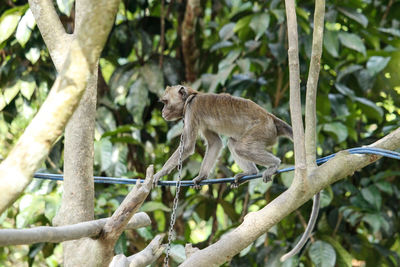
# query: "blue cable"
(114, 180)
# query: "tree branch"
(312, 83)
(100, 252)
(31, 149)
(257, 223)
(58, 234)
(143, 258)
(295, 97)
(52, 30)
(114, 227)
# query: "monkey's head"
(174, 101)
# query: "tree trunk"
(78, 197)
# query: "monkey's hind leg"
(252, 148)
(248, 167)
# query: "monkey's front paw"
(197, 181)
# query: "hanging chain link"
(176, 200)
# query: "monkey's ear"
(184, 92)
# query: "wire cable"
(115, 180)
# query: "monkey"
(250, 130)
(249, 127)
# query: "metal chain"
(176, 200)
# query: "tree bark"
(189, 47)
(63, 233)
(257, 223)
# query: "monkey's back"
(229, 115)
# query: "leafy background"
(241, 49)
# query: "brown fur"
(249, 127)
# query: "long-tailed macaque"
(250, 128)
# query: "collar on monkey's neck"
(187, 102)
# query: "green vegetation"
(240, 47)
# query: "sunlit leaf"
(28, 86)
(65, 6)
(11, 91)
(322, 254)
(33, 54)
(9, 22)
(25, 27)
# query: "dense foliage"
(240, 47)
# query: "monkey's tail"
(283, 128)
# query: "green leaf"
(154, 78)
(11, 91)
(242, 23)
(344, 90)
(376, 64)
(373, 220)
(175, 131)
(229, 59)
(352, 41)
(331, 43)
(392, 31)
(385, 186)
(370, 108)
(178, 253)
(344, 258)
(137, 100)
(150, 206)
(326, 197)
(354, 15)
(372, 195)
(25, 27)
(105, 154)
(259, 24)
(322, 254)
(30, 207)
(348, 70)
(279, 15)
(33, 54)
(28, 86)
(337, 129)
(65, 6)
(119, 159)
(9, 22)
(226, 31)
